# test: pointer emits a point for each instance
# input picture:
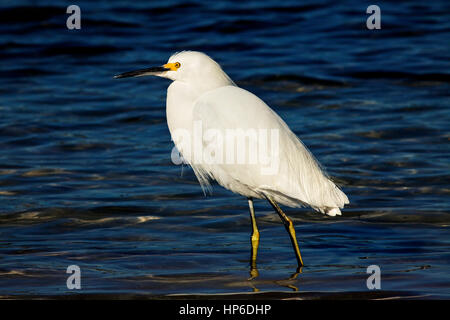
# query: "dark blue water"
(86, 176)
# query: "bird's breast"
(179, 105)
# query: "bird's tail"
(336, 199)
(333, 212)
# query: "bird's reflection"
(288, 283)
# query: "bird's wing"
(277, 163)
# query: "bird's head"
(193, 67)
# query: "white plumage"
(203, 92)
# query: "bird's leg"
(254, 241)
(290, 229)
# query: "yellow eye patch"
(172, 66)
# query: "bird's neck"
(209, 81)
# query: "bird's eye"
(177, 65)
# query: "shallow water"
(86, 176)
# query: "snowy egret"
(203, 97)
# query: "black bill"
(141, 72)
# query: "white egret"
(201, 92)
